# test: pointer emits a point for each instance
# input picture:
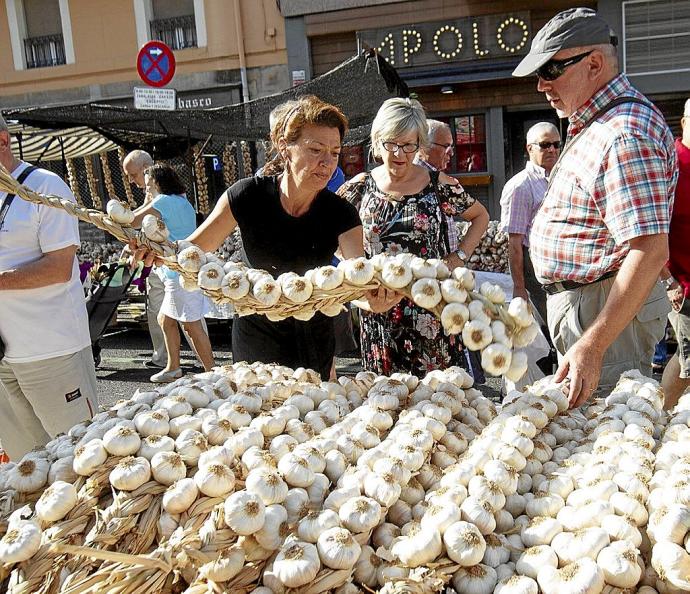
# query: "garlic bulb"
(396, 274)
(419, 547)
(226, 566)
(464, 543)
(571, 547)
(180, 496)
(190, 444)
(191, 259)
(582, 577)
(426, 293)
(534, 558)
(210, 276)
(453, 291)
(518, 366)
(671, 562)
(360, 514)
(496, 359)
(296, 471)
(266, 291)
(121, 440)
(168, 467)
(130, 473)
(296, 289)
(244, 512)
(338, 549)
(476, 335)
(618, 561)
(382, 488)
(153, 444)
(215, 480)
(315, 523)
(328, 278)
(465, 276)
(29, 475)
(519, 310)
(492, 292)
(89, 457)
(20, 542)
(235, 285)
(154, 228)
(267, 484)
(56, 502)
(297, 564)
(517, 584)
(119, 212)
(152, 423)
(478, 579)
(358, 271)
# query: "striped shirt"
(520, 200)
(614, 184)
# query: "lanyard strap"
(608, 107)
(8, 199)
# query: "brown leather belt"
(568, 285)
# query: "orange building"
(68, 51)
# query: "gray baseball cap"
(574, 27)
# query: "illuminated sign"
(482, 37)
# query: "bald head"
(134, 165)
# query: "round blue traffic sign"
(156, 64)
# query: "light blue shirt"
(179, 217)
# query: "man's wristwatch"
(461, 254)
(669, 283)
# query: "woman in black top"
(289, 221)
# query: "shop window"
(40, 33)
(179, 24)
(469, 132)
(656, 36)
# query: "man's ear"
(5, 140)
(596, 63)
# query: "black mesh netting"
(358, 86)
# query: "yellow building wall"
(105, 45)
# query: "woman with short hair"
(403, 207)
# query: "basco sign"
(482, 37)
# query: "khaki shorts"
(40, 399)
(570, 313)
(680, 320)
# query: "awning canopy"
(358, 86)
(49, 144)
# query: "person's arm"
(631, 287)
(478, 217)
(142, 211)
(211, 234)
(517, 265)
(51, 268)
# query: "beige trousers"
(155, 292)
(40, 399)
(570, 313)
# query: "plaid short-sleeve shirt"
(615, 183)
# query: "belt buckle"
(558, 286)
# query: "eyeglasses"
(553, 69)
(392, 147)
(446, 147)
(546, 145)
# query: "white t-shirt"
(51, 321)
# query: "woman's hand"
(382, 299)
(142, 253)
(454, 261)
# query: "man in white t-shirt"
(47, 376)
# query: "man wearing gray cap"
(600, 237)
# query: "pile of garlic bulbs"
(259, 478)
(491, 255)
(92, 251)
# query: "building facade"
(457, 59)
(69, 51)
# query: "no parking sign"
(156, 64)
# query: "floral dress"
(406, 338)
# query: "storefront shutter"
(657, 36)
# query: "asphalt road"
(126, 350)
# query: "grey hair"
(434, 127)
(3, 124)
(396, 117)
(686, 109)
(540, 128)
(138, 158)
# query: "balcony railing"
(177, 32)
(43, 51)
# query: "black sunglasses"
(553, 69)
(545, 145)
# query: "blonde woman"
(403, 208)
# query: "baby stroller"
(102, 301)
